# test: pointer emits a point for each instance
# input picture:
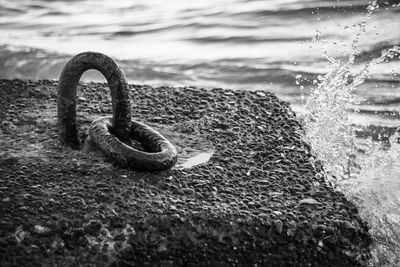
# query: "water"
(328, 50)
(367, 171)
(220, 43)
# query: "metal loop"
(161, 155)
(66, 98)
(111, 135)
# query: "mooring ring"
(111, 135)
(160, 154)
(66, 97)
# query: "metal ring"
(161, 154)
(66, 97)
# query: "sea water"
(334, 61)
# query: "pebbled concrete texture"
(261, 199)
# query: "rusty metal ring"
(161, 154)
(66, 96)
(111, 135)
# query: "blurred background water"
(283, 46)
(246, 44)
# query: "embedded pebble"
(41, 230)
(162, 248)
(278, 226)
(308, 201)
(260, 94)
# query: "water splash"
(367, 171)
(376, 191)
(328, 127)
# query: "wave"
(189, 26)
(376, 51)
(245, 39)
(390, 114)
(377, 133)
(54, 13)
(31, 63)
(9, 11)
(309, 10)
(386, 102)
(320, 8)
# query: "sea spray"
(377, 191)
(373, 166)
(327, 124)
(328, 129)
(367, 171)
